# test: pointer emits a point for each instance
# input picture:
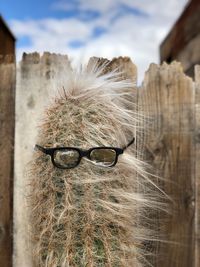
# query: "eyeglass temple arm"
(130, 143)
(37, 147)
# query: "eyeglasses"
(70, 157)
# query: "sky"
(85, 28)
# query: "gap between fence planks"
(7, 122)
(197, 165)
(171, 101)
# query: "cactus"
(90, 215)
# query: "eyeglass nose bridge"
(84, 153)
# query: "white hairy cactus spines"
(90, 215)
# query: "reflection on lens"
(103, 157)
(66, 158)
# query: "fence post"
(7, 122)
(168, 97)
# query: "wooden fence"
(172, 146)
(7, 122)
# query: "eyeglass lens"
(66, 158)
(103, 157)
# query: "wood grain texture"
(167, 97)
(7, 107)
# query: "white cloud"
(128, 35)
(51, 29)
(102, 6)
(63, 5)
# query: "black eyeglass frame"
(82, 153)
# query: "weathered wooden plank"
(182, 42)
(7, 108)
(38, 77)
(197, 166)
(168, 97)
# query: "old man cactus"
(90, 215)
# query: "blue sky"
(24, 9)
(84, 28)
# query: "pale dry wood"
(197, 166)
(7, 107)
(122, 64)
(38, 78)
(167, 98)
